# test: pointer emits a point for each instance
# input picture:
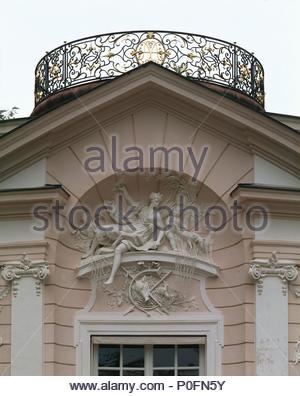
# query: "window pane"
(109, 372)
(164, 372)
(109, 355)
(163, 356)
(133, 356)
(188, 372)
(188, 355)
(133, 372)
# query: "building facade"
(150, 215)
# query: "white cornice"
(19, 202)
(279, 201)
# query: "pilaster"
(26, 278)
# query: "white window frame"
(88, 324)
(148, 343)
(208, 323)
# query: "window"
(158, 356)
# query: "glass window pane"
(133, 356)
(133, 372)
(188, 372)
(188, 355)
(108, 373)
(109, 356)
(163, 356)
(164, 372)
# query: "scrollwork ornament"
(291, 273)
(255, 271)
(104, 57)
(42, 272)
(286, 270)
(13, 272)
(9, 274)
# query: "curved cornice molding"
(198, 268)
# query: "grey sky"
(269, 28)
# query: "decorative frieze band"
(286, 270)
(13, 272)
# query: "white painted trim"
(208, 324)
(27, 329)
(88, 325)
(26, 278)
(271, 329)
(271, 313)
(157, 340)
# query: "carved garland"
(286, 270)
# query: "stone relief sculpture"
(180, 236)
(149, 228)
(145, 288)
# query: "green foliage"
(8, 114)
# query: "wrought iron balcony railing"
(105, 57)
